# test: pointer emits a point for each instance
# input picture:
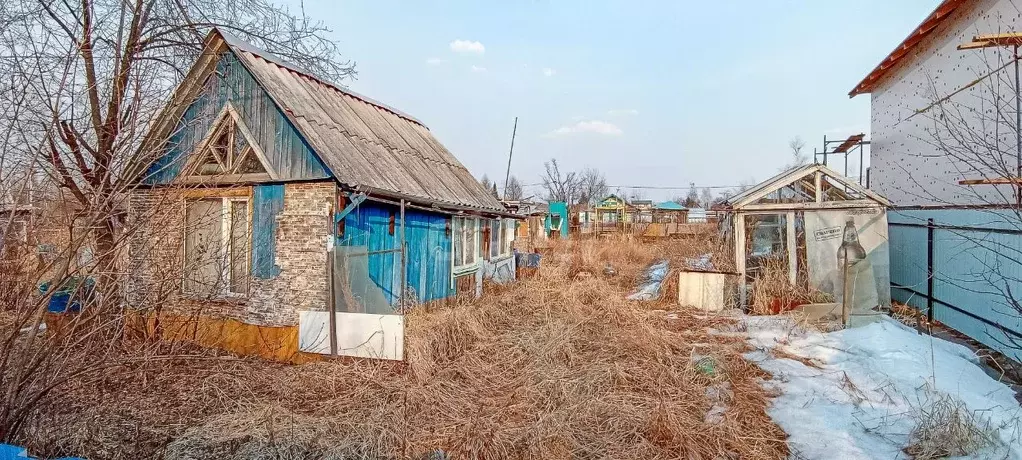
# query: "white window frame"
(496, 236)
(507, 236)
(465, 265)
(226, 204)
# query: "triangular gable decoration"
(228, 149)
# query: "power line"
(662, 187)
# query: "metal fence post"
(929, 270)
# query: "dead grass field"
(558, 366)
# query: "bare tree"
(485, 181)
(560, 186)
(706, 197)
(796, 144)
(692, 199)
(100, 70)
(90, 78)
(592, 186)
(514, 190)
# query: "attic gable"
(225, 88)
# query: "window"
(216, 247)
(495, 238)
(507, 236)
(466, 241)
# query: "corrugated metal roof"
(670, 206)
(366, 144)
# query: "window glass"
(458, 239)
(508, 237)
(495, 235)
(470, 241)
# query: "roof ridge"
(267, 56)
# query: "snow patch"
(852, 393)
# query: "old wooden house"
(271, 182)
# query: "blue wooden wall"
(973, 271)
(267, 201)
(285, 148)
(429, 249)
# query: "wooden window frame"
(226, 249)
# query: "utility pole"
(507, 176)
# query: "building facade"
(944, 151)
(270, 183)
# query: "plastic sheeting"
(650, 287)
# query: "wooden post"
(739, 223)
(792, 243)
(818, 179)
(404, 259)
(846, 308)
(331, 301)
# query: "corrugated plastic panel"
(286, 151)
(267, 201)
(974, 270)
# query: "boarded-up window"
(239, 247)
(216, 247)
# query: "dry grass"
(557, 366)
(946, 428)
(773, 293)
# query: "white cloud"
(476, 68)
(548, 72)
(435, 61)
(619, 112)
(591, 126)
(467, 46)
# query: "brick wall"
(303, 229)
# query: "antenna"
(508, 175)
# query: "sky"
(654, 94)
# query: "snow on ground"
(856, 392)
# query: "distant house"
(697, 216)
(611, 214)
(670, 212)
(944, 151)
(266, 169)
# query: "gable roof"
(935, 19)
(793, 175)
(366, 145)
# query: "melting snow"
(854, 395)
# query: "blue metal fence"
(962, 267)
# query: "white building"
(945, 140)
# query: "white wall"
(906, 165)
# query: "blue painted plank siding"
(267, 202)
(428, 270)
(973, 270)
(285, 148)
